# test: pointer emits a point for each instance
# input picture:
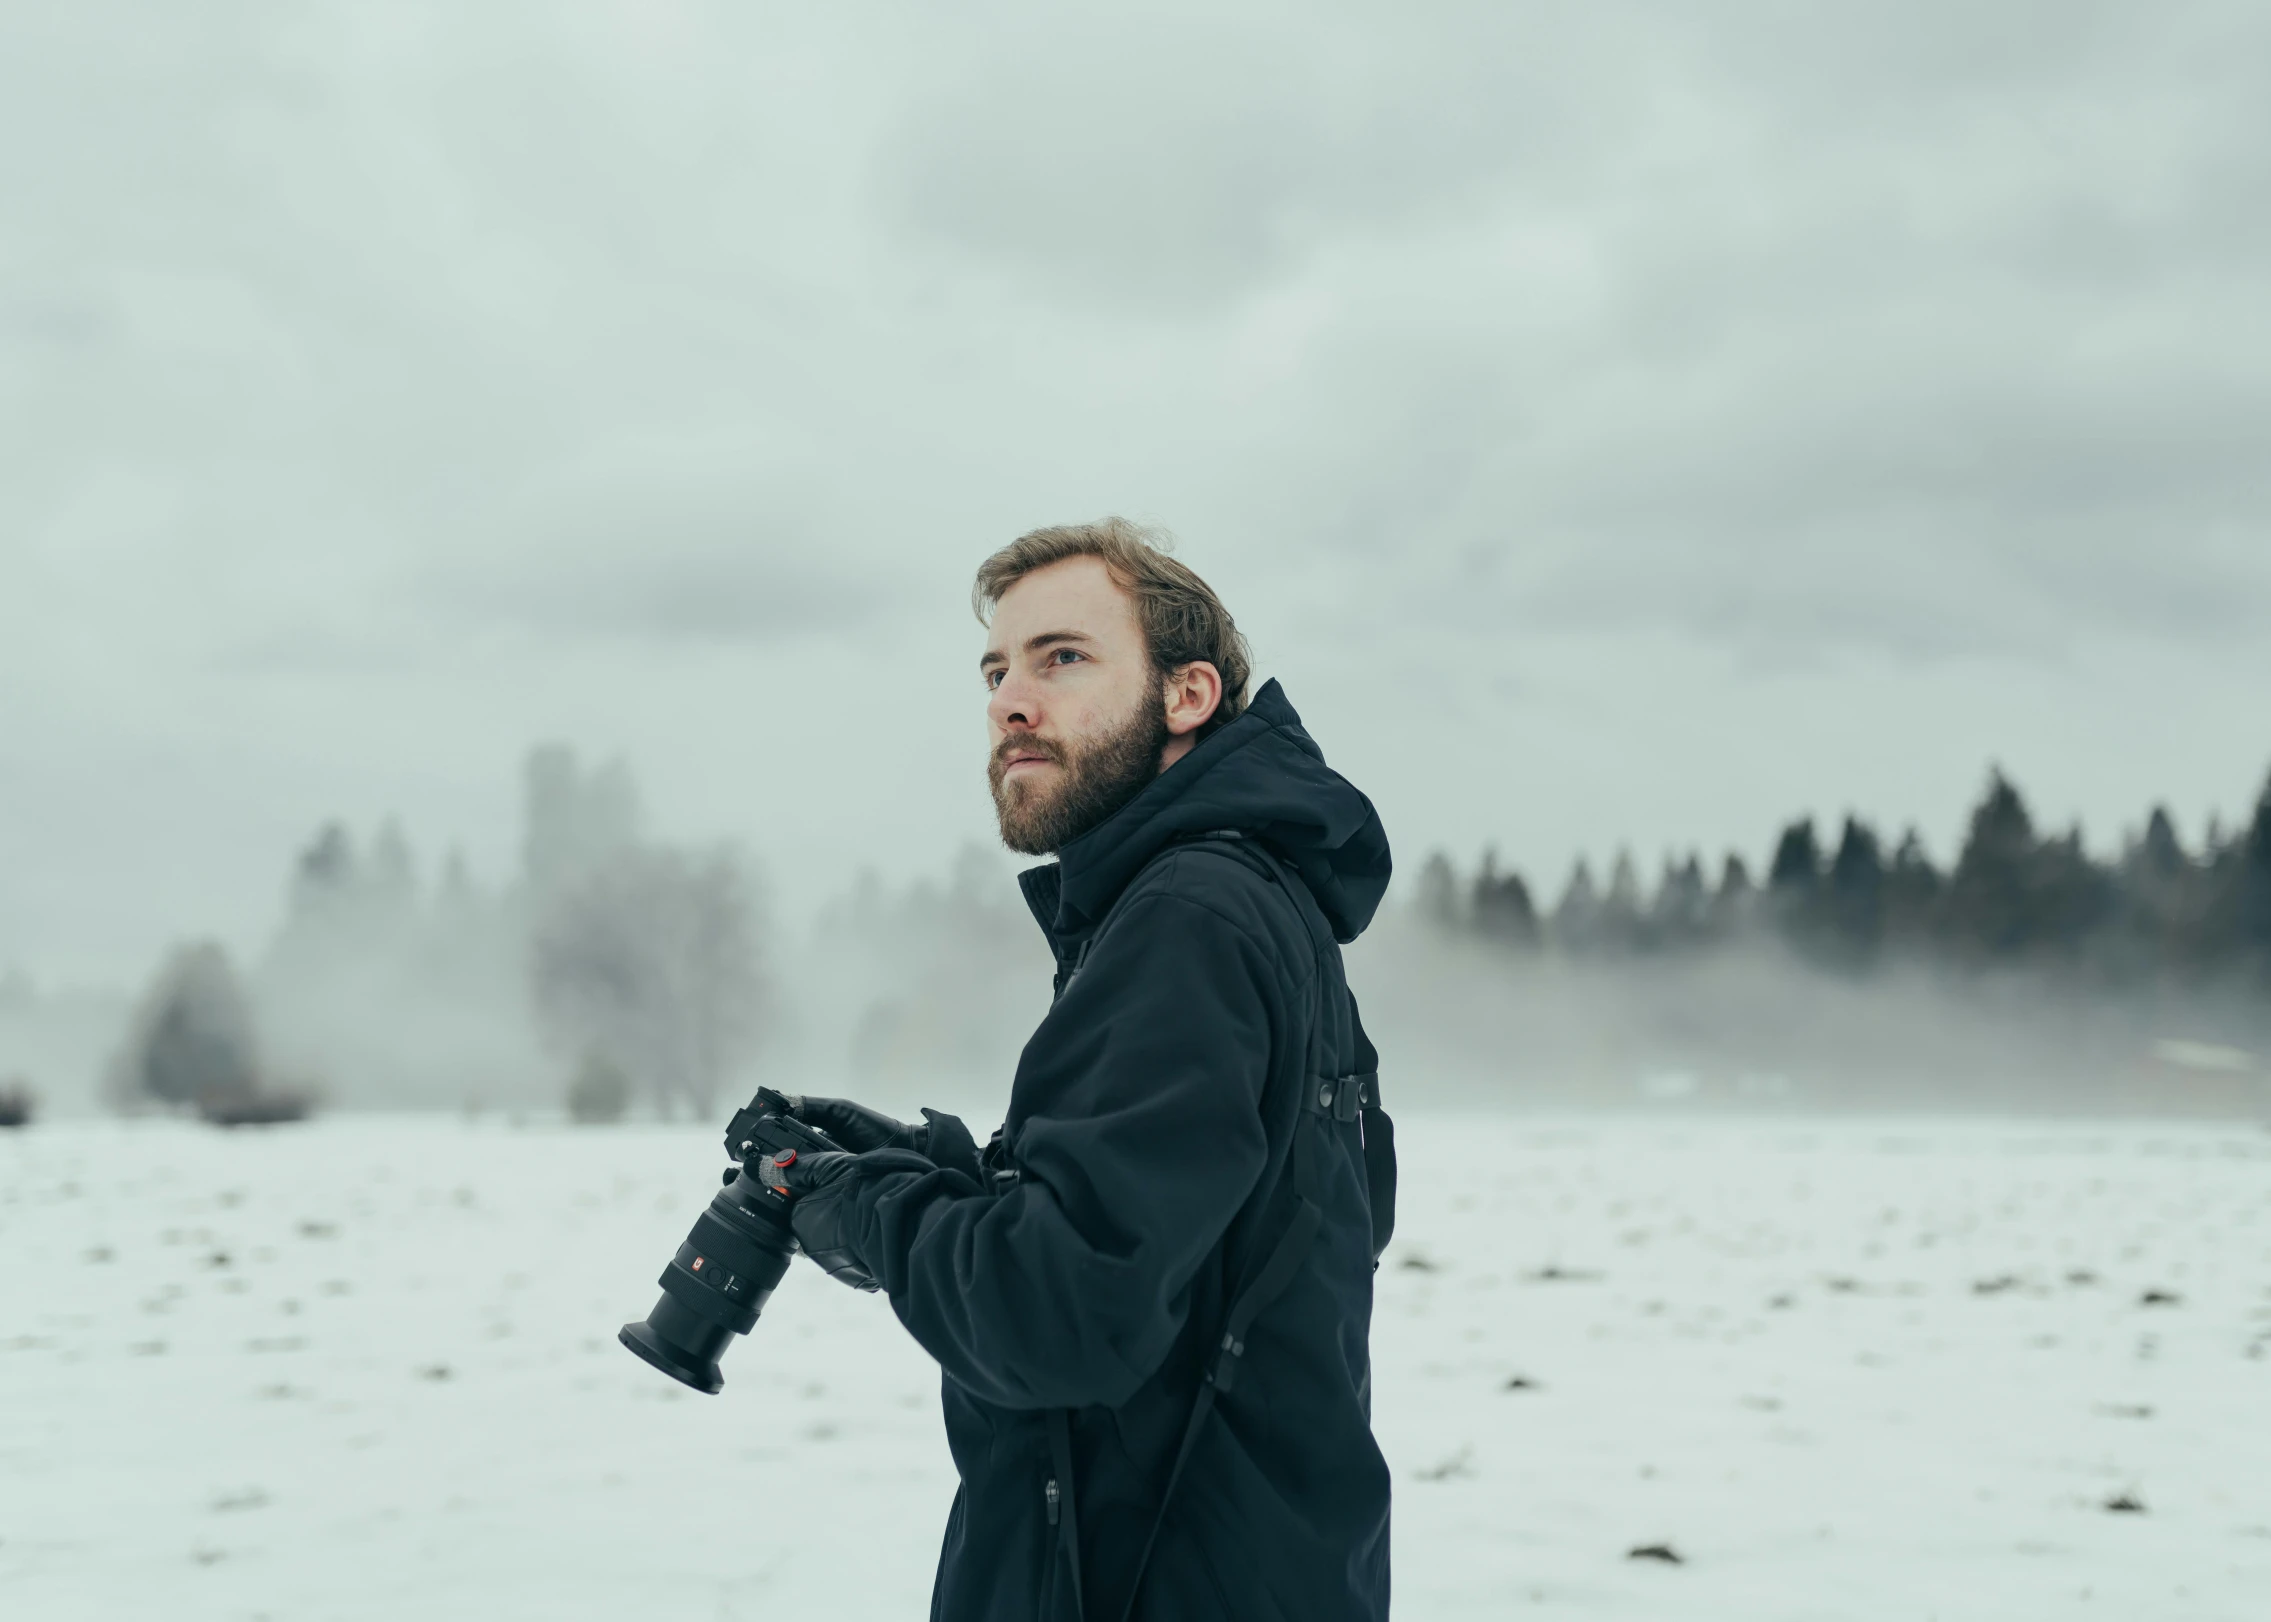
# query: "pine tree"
(1990, 904)
(2158, 895)
(1913, 888)
(2255, 881)
(1503, 911)
(1621, 924)
(1854, 905)
(1439, 893)
(2236, 926)
(192, 1040)
(1793, 884)
(1577, 916)
(1681, 913)
(2160, 854)
(1734, 905)
(1797, 866)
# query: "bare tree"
(651, 961)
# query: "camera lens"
(716, 1285)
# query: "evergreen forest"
(2016, 896)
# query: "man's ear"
(1194, 693)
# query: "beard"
(1093, 781)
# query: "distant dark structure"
(16, 1103)
(2015, 896)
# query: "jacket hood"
(1262, 775)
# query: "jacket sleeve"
(1143, 1137)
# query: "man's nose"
(1013, 705)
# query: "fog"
(393, 978)
(1755, 1030)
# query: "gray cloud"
(384, 388)
(1168, 158)
(671, 548)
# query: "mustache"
(1052, 752)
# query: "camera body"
(719, 1281)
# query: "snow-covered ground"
(366, 1369)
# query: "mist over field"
(392, 980)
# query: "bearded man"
(1151, 1294)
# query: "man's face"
(1076, 716)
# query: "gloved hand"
(818, 1212)
(855, 1126)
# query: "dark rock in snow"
(2125, 1504)
(1663, 1553)
(1457, 1465)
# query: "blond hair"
(1183, 620)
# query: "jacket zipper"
(1050, 1492)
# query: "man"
(1151, 1295)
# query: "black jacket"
(1143, 1167)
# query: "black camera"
(719, 1281)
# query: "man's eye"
(993, 680)
(1065, 656)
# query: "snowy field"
(366, 1369)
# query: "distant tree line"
(626, 966)
(2015, 894)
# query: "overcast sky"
(1615, 424)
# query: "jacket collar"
(1043, 887)
(1262, 775)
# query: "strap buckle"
(1343, 1097)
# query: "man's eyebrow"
(1033, 644)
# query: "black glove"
(816, 1185)
(855, 1126)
